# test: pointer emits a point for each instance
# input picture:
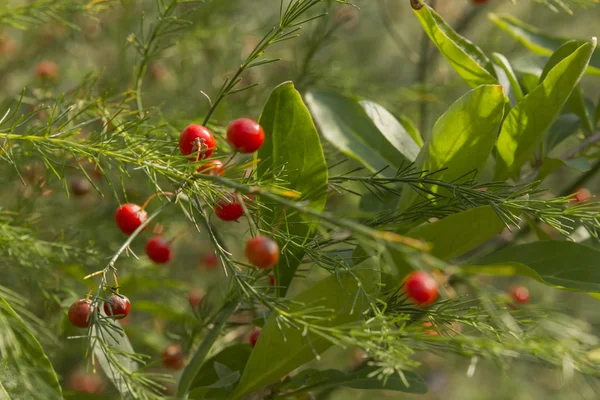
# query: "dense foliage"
(298, 199)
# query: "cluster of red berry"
(197, 142)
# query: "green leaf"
(576, 102)
(34, 370)
(549, 165)
(344, 123)
(463, 138)
(121, 347)
(562, 264)
(292, 142)
(527, 123)
(281, 348)
(515, 87)
(412, 130)
(459, 233)
(234, 357)
(564, 126)
(466, 58)
(322, 379)
(392, 129)
(537, 41)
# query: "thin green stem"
(194, 366)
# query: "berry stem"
(196, 363)
(169, 194)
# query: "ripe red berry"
(212, 167)
(254, 337)
(117, 306)
(158, 250)
(520, 294)
(581, 195)
(129, 217)
(198, 140)
(173, 357)
(80, 313)
(245, 135)
(229, 209)
(272, 280)
(421, 287)
(46, 70)
(80, 381)
(262, 252)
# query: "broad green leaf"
(315, 379)
(392, 129)
(121, 347)
(537, 41)
(562, 264)
(462, 139)
(344, 123)
(292, 143)
(466, 58)
(411, 129)
(564, 126)
(576, 102)
(233, 357)
(34, 370)
(459, 233)
(527, 123)
(549, 165)
(503, 63)
(281, 348)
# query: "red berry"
(272, 280)
(254, 337)
(212, 167)
(46, 70)
(581, 195)
(245, 135)
(479, 1)
(117, 306)
(80, 313)
(198, 140)
(158, 250)
(520, 294)
(210, 260)
(229, 209)
(173, 357)
(195, 297)
(129, 217)
(80, 381)
(421, 287)
(262, 252)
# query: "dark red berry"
(80, 187)
(254, 337)
(272, 280)
(173, 357)
(262, 252)
(229, 209)
(80, 313)
(158, 250)
(129, 217)
(245, 135)
(581, 195)
(210, 260)
(421, 287)
(117, 306)
(520, 294)
(46, 70)
(197, 140)
(479, 1)
(212, 167)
